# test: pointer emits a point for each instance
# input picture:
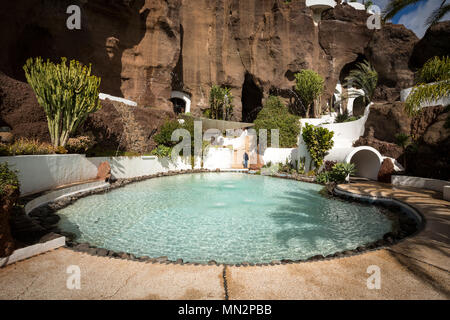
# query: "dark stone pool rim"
(46, 216)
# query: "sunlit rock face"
(144, 50)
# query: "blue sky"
(414, 16)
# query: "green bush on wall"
(164, 137)
(8, 179)
(319, 141)
(275, 115)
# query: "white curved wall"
(320, 4)
(39, 173)
(346, 133)
(357, 6)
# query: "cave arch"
(348, 99)
(181, 102)
(252, 97)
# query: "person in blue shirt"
(245, 160)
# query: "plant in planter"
(433, 83)
(68, 94)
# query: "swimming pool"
(226, 217)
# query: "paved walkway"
(417, 268)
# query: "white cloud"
(415, 20)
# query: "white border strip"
(30, 251)
(407, 208)
(63, 193)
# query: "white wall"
(218, 158)
(40, 173)
(132, 167)
(346, 133)
(417, 182)
(104, 96)
(45, 172)
(280, 155)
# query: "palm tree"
(395, 6)
(365, 78)
(433, 83)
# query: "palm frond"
(395, 6)
(364, 77)
(438, 14)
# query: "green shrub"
(164, 137)
(79, 144)
(433, 84)
(328, 165)
(341, 171)
(4, 149)
(67, 93)
(435, 69)
(319, 141)
(8, 179)
(323, 177)
(24, 146)
(275, 115)
(309, 87)
(162, 151)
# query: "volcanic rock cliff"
(143, 50)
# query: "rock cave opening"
(252, 97)
(181, 102)
(34, 41)
(346, 98)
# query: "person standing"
(245, 160)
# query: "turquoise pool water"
(226, 217)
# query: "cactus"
(68, 94)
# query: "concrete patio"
(416, 268)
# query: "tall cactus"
(67, 94)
